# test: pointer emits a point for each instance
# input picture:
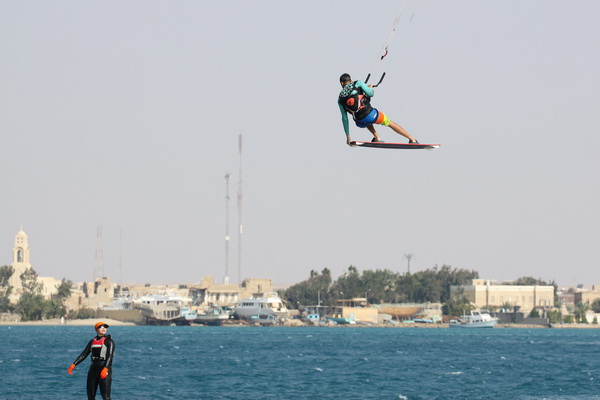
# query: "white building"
(483, 293)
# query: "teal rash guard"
(352, 89)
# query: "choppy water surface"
(308, 363)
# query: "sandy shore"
(69, 322)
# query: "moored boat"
(213, 315)
(268, 306)
(477, 319)
(161, 309)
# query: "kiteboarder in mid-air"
(355, 98)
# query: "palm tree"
(580, 310)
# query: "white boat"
(477, 319)
(267, 306)
(213, 315)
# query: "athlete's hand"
(104, 373)
(71, 368)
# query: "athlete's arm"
(84, 353)
(345, 122)
(110, 352)
(367, 89)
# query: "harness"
(99, 349)
(355, 101)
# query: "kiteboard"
(385, 145)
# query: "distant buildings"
(586, 296)
(93, 295)
(483, 294)
(103, 294)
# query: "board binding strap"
(386, 145)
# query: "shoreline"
(112, 322)
(68, 322)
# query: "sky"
(126, 115)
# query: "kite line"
(385, 48)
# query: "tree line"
(431, 285)
(379, 286)
(32, 305)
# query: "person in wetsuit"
(102, 348)
(355, 98)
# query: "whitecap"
(318, 369)
(455, 373)
(16, 360)
(141, 377)
(176, 347)
(400, 396)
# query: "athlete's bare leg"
(400, 130)
(371, 129)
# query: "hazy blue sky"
(126, 115)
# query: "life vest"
(99, 349)
(355, 101)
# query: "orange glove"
(104, 373)
(71, 368)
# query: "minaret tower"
(20, 260)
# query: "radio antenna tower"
(120, 262)
(226, 280)
(408, 258)
(99, 258)
(241, 231)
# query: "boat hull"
(486, 324)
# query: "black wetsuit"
(102, 350)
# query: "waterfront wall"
(134, 316)
(519, 318)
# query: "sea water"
(250, 363)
